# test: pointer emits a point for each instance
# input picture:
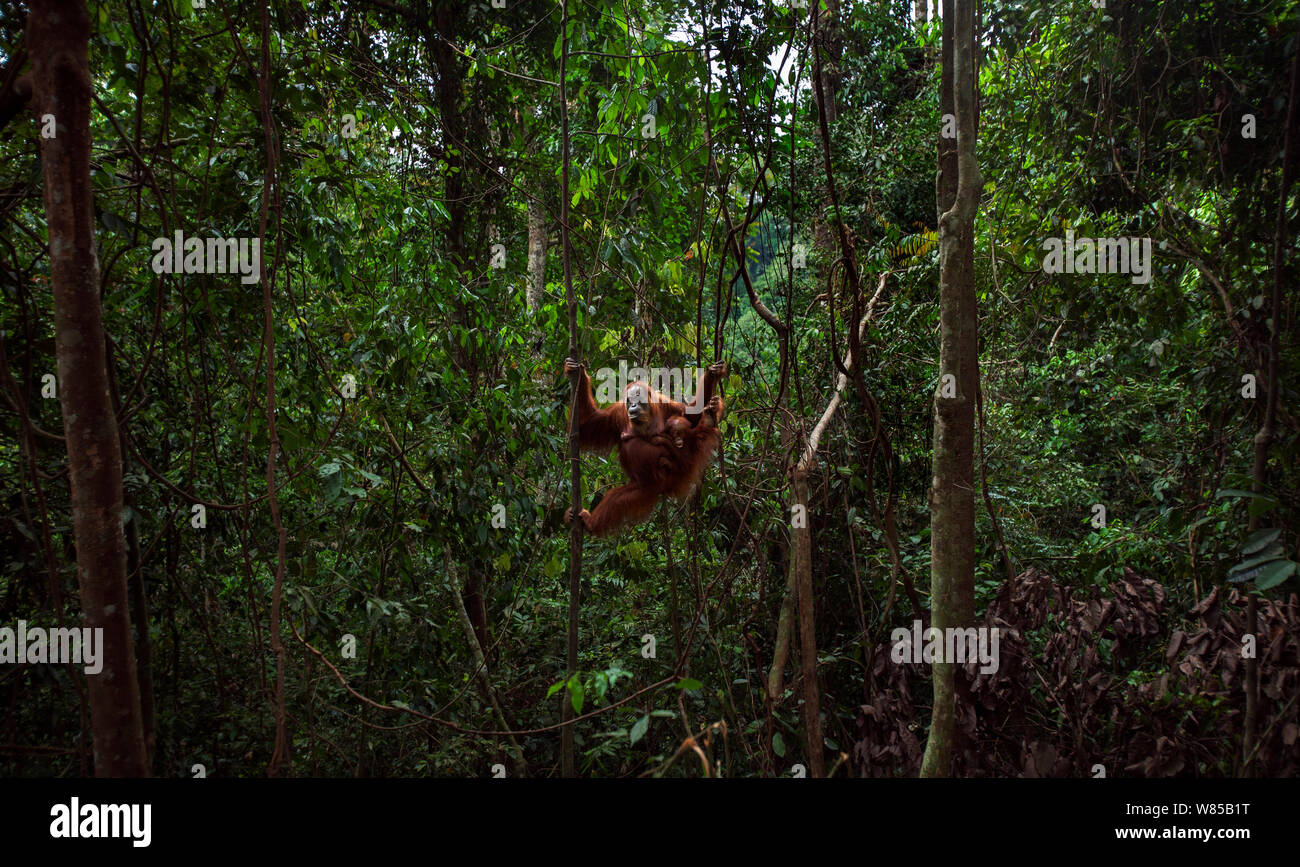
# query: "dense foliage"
(419, 394)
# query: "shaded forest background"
(410, 143)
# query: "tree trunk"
(828, 32)
(1267, 429)
(801, 566)
(476, 607)
(482, 675)
(143, 640)
(567, 762)
(449, 90)
(952, 491)
(831, 48)
(59, 33)
(536, 255)
(784, 629)
(799, 574)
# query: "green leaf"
(1272, 552)
(1259, 539)
(576, 694)
(689, 683)
(778, 745)
(639, 730)
(1260, 505)
(1274, 574)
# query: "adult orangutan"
(662, 448)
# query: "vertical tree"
(536, 254)
(1264, 438)
(575, 464)
(952, 490)
(59, 34)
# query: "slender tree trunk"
(784, 629)
(536, 254)
(1267, 429)
(465, 236)
(799, 584)
(481, 667)
(828, 32)
(475, 598)
(135, 587)
(281, 754)
(59, 34)
(575, 463)
(829, 55)
(143, 640)
(801, 566)
(952, 491)
(449, 92)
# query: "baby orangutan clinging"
(662, 449)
